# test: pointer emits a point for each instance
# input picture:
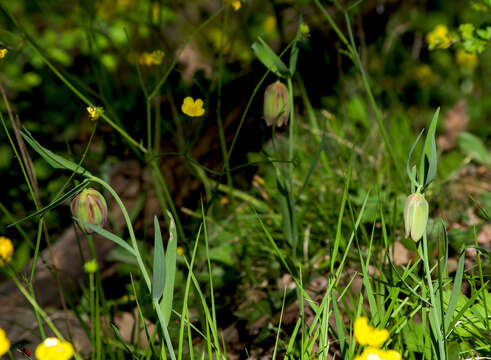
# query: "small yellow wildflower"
(4, 343)
(236, 5)
(439, 38)
(6, 250)
(95, 112)
(54, 349)
(180, 250)
(151, 58)
(191, 107)
(372, 353)
(465, 59)
(368, 335)
(3, 52)
(304, 29)
(269, 23)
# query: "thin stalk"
(127, 219)
(43, 314)
(178, 55)
(221, 132)
(371, 99)
(31, 278)
(433, 311)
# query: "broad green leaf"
(170, 270)
(270, 59)
(428, 162)
(158, 278)
(54, 160)
(472, 146)
(108, 235)
(55, 202)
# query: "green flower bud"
(90, 206)
(415, 216)
(276, 109)
(91, 266)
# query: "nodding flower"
(90, 206)
(415, 216)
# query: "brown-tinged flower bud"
(415, 216)
(276, 109)
(90, 206)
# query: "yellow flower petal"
(368, 335)
(192, 108)
(4, 343)
(3, 52)
(54, 349)
(6, 250)
(236, 5)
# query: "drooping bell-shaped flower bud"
(415, 216)
(276, 109)
(90, 206)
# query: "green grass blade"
(56, 161)
(170, 270)
(456, 291)
(107, 235)
(158, 278)
(54, 203)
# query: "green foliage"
(279, 238)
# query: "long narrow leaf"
(428, 162)
(170, 270)
(55, 202)
(108, 235)
(269, 58)
(56, 161)
(158, 281)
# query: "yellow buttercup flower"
(6, 250)
(439, 38)
(372, 353)
(236, 5)
(94, 112)
(4, 343)
(3, 52)
(191, 107)
(465, 59)
(151, 58)
(180, 250)
(304, 29)
(54, 349)
(368, 335)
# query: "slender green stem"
(435, 324)
(43, 314)
(168, 197)
(31, 278)
(221, 132)
(127, 219)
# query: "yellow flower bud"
(415, 216)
